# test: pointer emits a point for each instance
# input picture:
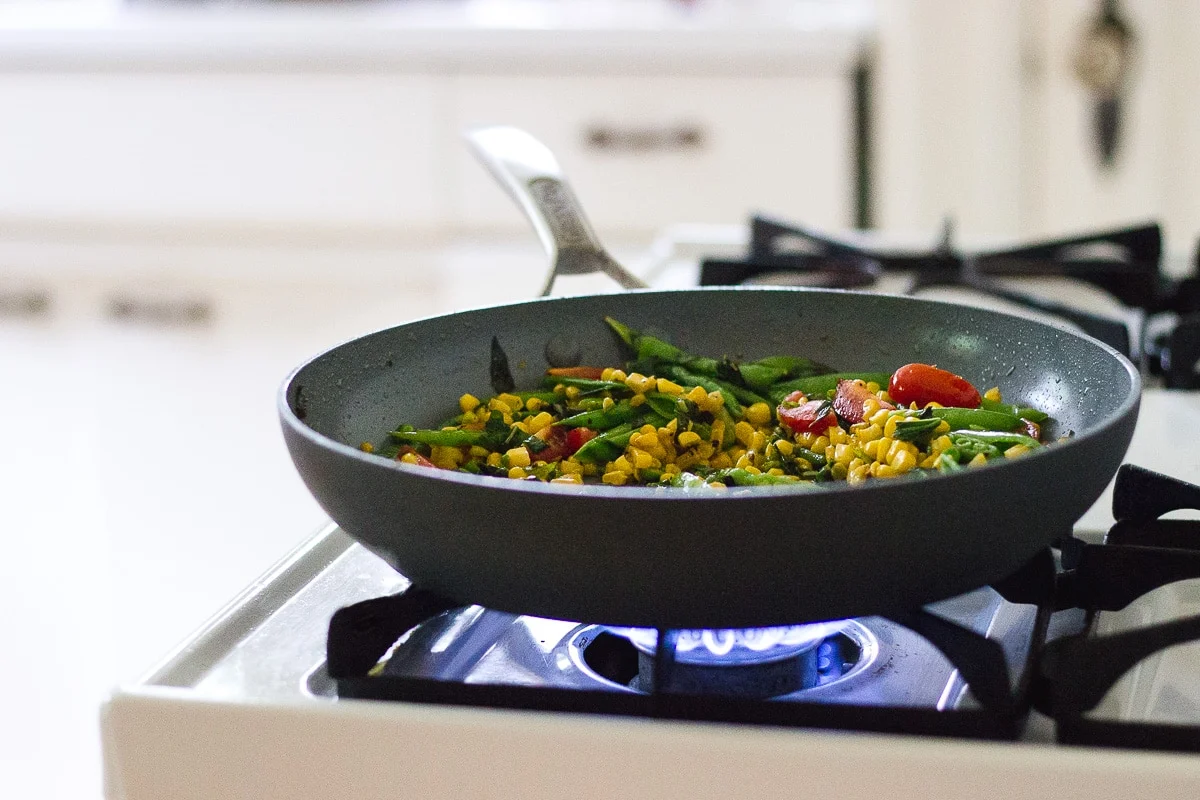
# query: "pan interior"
(415, 373)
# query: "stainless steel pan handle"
(530, 173)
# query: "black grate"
(1065, 677)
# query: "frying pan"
(674, 558)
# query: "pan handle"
(530, 173)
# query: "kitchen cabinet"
(980, 114)
(223, 125)
(646, 151)
(219, 154)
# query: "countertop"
(701, 36)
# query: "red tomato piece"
(850, 397)
(807, 417)
(590, 373)
(555, 437)
(577, 438)
(923, 384)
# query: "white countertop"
(706, 34)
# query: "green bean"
(607, 446)
(1023, 412)
(979, 418)
(997, 438)
(454, 438)
(585, 385)
(818, 386)
(602, 419)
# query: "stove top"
(278, 692)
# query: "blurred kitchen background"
(196, 196)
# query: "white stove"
(246, 707)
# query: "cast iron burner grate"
(1125, 262)
(1065, 677)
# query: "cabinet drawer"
(305, 151)
(647, 151)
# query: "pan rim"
(734, 494)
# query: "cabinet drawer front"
(241, 150)
(643, 152)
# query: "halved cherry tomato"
(560, 442)
(590, 373)
(923, 383)
(577, 438)
(850, 397)
(805, 416)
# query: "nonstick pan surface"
(736, 558)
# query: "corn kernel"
(637, 400)
(839, 471)
(572, 393)
(367, 447)
(669, 387)
(873, 387)
(607, 403)
(941, 443)
(785, 447)
(842, 453)
(535, 404)
(642, 459)
(539, 421)
(717, 485)
(409, 458)
(903, 462)
(978, 461)
(879, 417)
(689, 439)
(870, 407)
(870, 433)
(775, 471)
(496, 404)
(697, 395)
(614, 478)
(511, 400)
(884, 471)
(705, 450)
(758, 441)
(571, 478)
(744, 461)
(606, 374)
(672, 425)
(743, 431)
(871, 448)
(621, 464)
(992, 394)
(570, 467)
(617, 375)
(639, 383)
(718, 431)
(1016, 450)
(493, 459)
(715, 401)
(468, 402)
(820, 443)
(478, 452)
(517, 473)
(753, 470)
(758, 414)
(518, 457)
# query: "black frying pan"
(736, 558)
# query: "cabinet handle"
(663, 139)
(160, 311)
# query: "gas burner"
(1149, 317)
(755, 663)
